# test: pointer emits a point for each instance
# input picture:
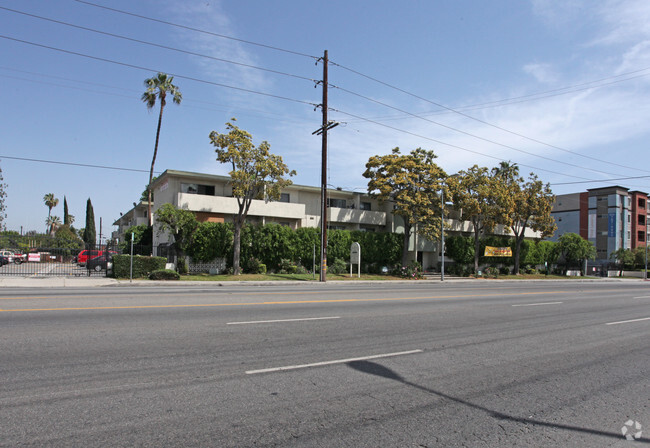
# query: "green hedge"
(142, 266)
(164, 274)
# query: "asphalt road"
(480, 364)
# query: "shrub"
(142, 266)
(338, 267)
(492, 272)
(504, 270)
(287, 267)
(164, 274)
(254, 266)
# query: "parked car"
(13, 256)
(84, 255)
(4, 260)
(101, 262)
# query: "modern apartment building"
(210, 198)
(611, 217)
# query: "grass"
(282, 277)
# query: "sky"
(559, 87)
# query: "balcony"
(354, 216)
(228, 206)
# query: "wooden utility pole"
(323, 215)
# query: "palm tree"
(157, 89)
(50, 203)
(53, 223)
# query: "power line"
(450, 144)
(124, 64)
(223, 36)
(473, 135)
(507, 130)
(105, 167)
(602, 180)
(153, 44)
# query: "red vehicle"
(86, 255)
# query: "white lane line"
(627, 321)
(538, 304)
(337, 361)
(642, 297)
(282, 320)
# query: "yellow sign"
(498, 251)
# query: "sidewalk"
(90, 282)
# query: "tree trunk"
(405, 249)
(477, 247)
(236, 247)
(518, 240)
(153, 162)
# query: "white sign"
(355, 257)
(33, 257)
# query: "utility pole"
(326, 126)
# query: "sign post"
(355, 258)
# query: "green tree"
(255, 174)
(211, 240)
(461, 249)
(53, 223)
(89, 233)
(574, 249)
(523, 205)
(66, 216)
(473, 193)
(144, 196)
(412, 182)
(3, 195)
(180, 224)
(50, 203)
(66, 238)
(624, 258)
(157, 89)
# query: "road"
(477, 364)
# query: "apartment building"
(210, 198)
(611, 217)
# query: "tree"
(53, 223)
(523, 205)
(413, 182)
(473, 193)
(66, 216)
(157, 89)
(180, 224)
(625, 258)
(89, 233)
(3, 195)
(574, 249)
(50, 203)
(144, 196)
(256, 174)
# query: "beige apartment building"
(210, 198)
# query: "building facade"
(610, 217)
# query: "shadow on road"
(372, 368)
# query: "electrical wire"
(189, 78)
(223, 36)
(507, 130)
(153, 44)
(473, 135)
(450, 144)
(105, 167)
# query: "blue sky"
(559, 87)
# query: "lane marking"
(642, 297)
(627, 321)
(538, 304)
(287, 302)
(282, 320)
(327, 363)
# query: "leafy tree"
(413, 182)
(66, 217)
(523, 205)
(3, 195)
(66, 238)
(179, 223)
(474, 193)
(157, 89)
(255, 174)
(89, 233)
(574, 249)
(546, 252)
(625, 258)
(144, 196)
(461, 249)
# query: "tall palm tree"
(53, 223)
(157, 89)
(50, 203)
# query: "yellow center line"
(288, 302)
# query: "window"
(285, 197)
(207, 190)
(339, 203)
(365, 206)
(640, 235)
(641, 203)
(366, 229)
(641, 220)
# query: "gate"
(57, 261)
